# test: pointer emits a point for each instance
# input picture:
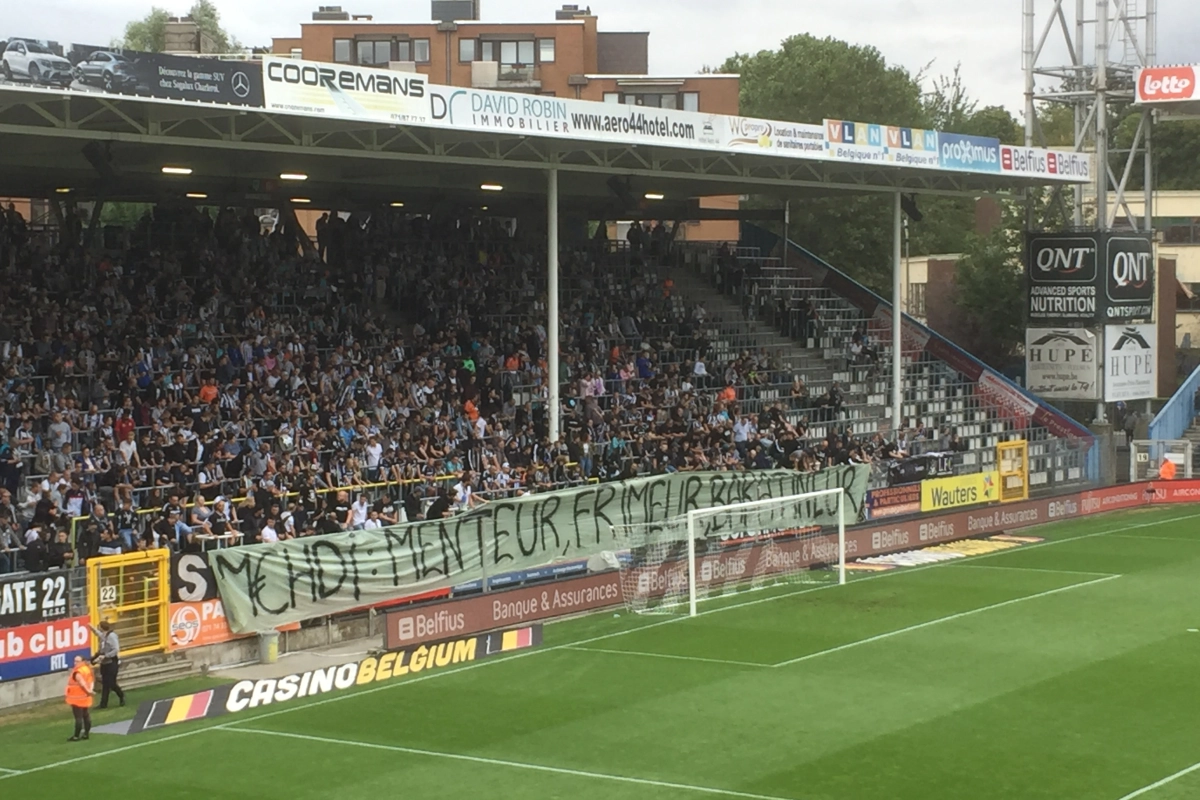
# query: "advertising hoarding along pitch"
(1130, 362)
(30, 650)
(941, 494)
(1063, 363)
(38, 597)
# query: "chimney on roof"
(330, 14)
(454, 10)
(572, 12)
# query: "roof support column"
(554, 410)
(897, 315)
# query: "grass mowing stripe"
(1029, 569)
(525, 653)
(940, 620)
(497, 762)
(1163, 782)
(1159, 538)
(665, 655)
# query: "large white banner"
(1130, 362)
(344, 91)
(1062, 363)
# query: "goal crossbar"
(697, 514)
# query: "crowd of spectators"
(204, 380)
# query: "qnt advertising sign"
(1063, 275)
(1129, 278)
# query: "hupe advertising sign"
(1062, 363)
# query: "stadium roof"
(436, 144)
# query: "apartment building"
(567, 56)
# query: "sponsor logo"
(1167, 83)
(1130, 337)
(934, 531)
(943, 493)
(347, 79)
(240, 83)
(712, 569)
(973, 153)
(34, 598)
(185, 625)
(430, 625)
(1064, 260)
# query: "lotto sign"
(31, 650)
(1167, 84)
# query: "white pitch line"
(498, 762)
(12, 771)
(535, 651)
(940, 620)
(1031, 569)
(666, 655)
(1163, 782)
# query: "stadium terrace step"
(149, 670)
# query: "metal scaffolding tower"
(1103, 52)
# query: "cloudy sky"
(984, 36)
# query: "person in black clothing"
(37, 551)
(412, 504)
(389, 510)
(59, 553)
(441, 506)
(126, 523)
(88, 537)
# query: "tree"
(990, 285)
(150, 33)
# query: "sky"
(984, 36)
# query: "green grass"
(1026, 674)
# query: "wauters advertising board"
(1063, 363)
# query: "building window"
(916, 300)
(487, 51)
(466, 49)
(691, 101)
(375, 53)
(297, 52)
(521, 52)
(341, 51)
(420, 48)
(546, 51)
(612, 97)
(404, 50)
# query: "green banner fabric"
(266, 585)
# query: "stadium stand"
(207, 381)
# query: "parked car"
(36, 63)
(111, 71)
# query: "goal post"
(674, 564)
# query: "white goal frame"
(701, 513)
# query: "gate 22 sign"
(34, 598)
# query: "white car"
(35, 62)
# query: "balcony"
(505, 77)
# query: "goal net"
(671, 566)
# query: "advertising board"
(940, 494)
(1049, 164)
(969, 153)
(410, 626)
(1063, 363)
(894, 501)
(345, 91)
(860, 142)
(245, 695)
(29, 598)
(198, 624)
(1130, 362)
(765, 136)
(1129, 278)
(1063, 276)
(30, 650)
(1167, 84)
(912, 147)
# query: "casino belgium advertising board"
(114, 70)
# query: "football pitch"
(1064, 669)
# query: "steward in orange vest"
(81, 686)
